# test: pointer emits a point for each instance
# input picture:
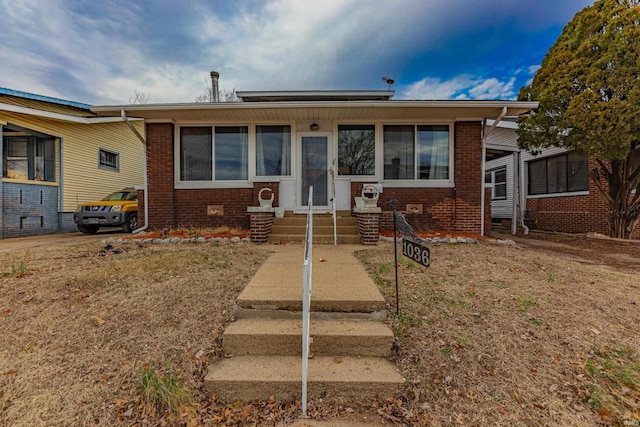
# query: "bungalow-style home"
(548, 191)
(208, 164)
(56, 154)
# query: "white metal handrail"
(333, 202)
(307, 274)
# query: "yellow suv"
(119, 209)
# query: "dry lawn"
(494, 335)
(487, 335)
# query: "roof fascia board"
(518, 105)
(58, 116)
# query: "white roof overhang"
(326, 110)
(57, 116)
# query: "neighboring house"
(207, 162)
(56, 154)
(556, 193)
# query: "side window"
(108, 160)
(29, 158)
(498, 180)
(565, 173)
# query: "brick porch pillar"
(261, 223)
(369, 227)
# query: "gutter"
(57, 116)
(125, 119)
(484, 159)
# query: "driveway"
(18, 243)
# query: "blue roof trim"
(35, 97)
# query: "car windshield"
(122, 195)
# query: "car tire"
(131, 223)
(88, 229)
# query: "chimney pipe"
(215, 96)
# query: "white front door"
(314, 171)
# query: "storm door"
(314, 170)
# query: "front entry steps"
(259, 377)
(292, 228)
(350, 343)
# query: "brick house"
(554, 187)
(208, 162)
(55, 154)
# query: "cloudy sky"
(104, 51)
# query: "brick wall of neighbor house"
(29, 209)
(571, 214)
(447, 209)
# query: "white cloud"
(102, 52)
(459, 87)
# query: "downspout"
(61, 184)
(484, 159)
(123, 114)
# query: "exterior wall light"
(314, 126)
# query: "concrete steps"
(292, 229)
(258, 377)
(330, 337)
(349, 341)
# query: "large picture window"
(29, 158)
(273, 150)
(356, 149)
(416, 152)
(559, 174)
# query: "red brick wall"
(468, 177)
(188, 208)
(572, 214)
(449, 209)
(160, 174)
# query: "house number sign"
(416, 251)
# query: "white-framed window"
(108, 159)
(357, 150)
(217, 153)
(498, 180)
(273, 150)
(565, 173)
(416, 152)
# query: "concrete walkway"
(350, 343)
(340, 282)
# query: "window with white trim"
(498, 180)
(108, 159)
(356, 149)
(416, 152)
(214, 153)
(565, 173)
(273, 150)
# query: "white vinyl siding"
(83, 180)
(503, 208)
